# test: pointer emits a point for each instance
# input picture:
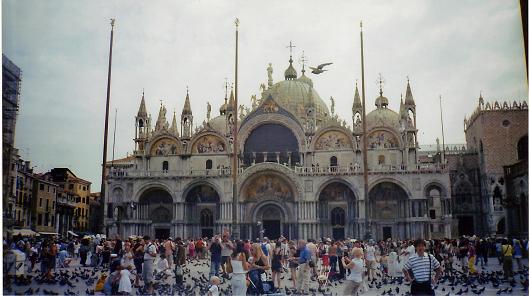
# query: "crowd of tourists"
(259, 266)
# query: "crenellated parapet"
(494, 107)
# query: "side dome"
(219, 124)
(293, 95)
(382, 117)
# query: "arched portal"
(337, 210)
(156, 206)
(269, 220)
(271, 142)
(389, 210)
(202, 209)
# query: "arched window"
(140, 123)
(381, 159)
(206, 218)
(165, 166)
(209, 164)
(333, 161)
(522, 148)
(338, 217)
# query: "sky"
(455, 49)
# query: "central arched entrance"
(337, 210)
(202, 210)
(156, 206)
(389, 210)
(267, 203)
(272, 220)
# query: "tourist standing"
(215, 255)
(276, 265)
(180, 260)
(356, 267)
(149, 262)
(418, 270)
(507, 262)
(370, 260)
(240, 267)
(227, 248)
(303, 267)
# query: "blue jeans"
(214, 267)
(333, 261)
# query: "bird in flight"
(319, 69)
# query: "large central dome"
(293, 94)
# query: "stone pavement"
(78, 280)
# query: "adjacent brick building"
(482, 177)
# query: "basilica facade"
(300, 170)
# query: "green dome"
(293, 95)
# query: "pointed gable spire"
(161, 121)
(231, 102)
(356, 98)
(409, 100)
(173, 128)
(187, 106)
(142, 111)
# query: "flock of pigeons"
(82, 280)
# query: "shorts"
(224, 259)
(370, 264)
(138, 264)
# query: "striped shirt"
(420, 266)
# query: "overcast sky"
(451, 48)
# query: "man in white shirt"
(149, 264)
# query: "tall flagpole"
(114, 137)
(443, 136)
(106, 131)
(235, 229)
(368, 227)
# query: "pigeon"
(319, 69)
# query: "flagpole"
(368, 230)
(443, 135)
(235, 229)
(105, 132)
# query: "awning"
(24, 232)
(72, 233)
(49, 233)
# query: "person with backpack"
(418, 270)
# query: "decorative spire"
(304, 78)
(356, 98)
(381, 82)
(409, 100)
(173, 128)
(161, 121)
(222, 109)
(381, 102)
(231, 102)
(187, 106)
(290, 73)
(142, 111)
